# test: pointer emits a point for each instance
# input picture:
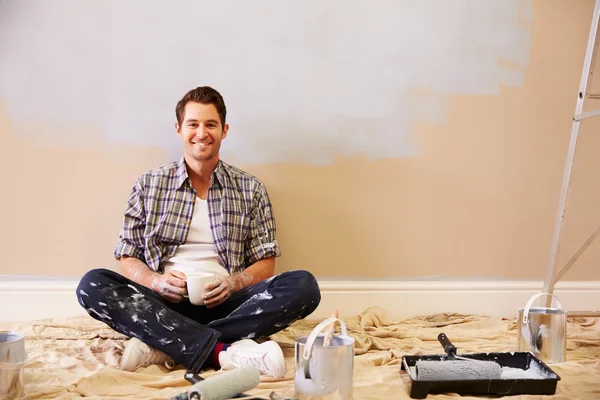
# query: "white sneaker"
(138, 354)
(267, 357)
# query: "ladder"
(586, 78)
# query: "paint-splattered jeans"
(188, 333)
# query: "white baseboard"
(29, 299)
(405, 299)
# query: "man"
(199, 215)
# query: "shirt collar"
(218, 173)
(182, 175)
(181, 172)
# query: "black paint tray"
(499, 387)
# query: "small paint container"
(12, 364)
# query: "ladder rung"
(583, 313)
(585, 115)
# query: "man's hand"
(219, 290)
(170, 285)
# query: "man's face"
(201, 131)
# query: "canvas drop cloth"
(78, 357)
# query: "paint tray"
(545, 384)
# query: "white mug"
(196, 283)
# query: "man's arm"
(261, 248)
(137, 270)
(130, 251)
(257, 272)
(131, 237)
(170, 285)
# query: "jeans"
(188, 333)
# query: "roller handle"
(449, 348)
(192, 377)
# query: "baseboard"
(405, 299)
(29, 299)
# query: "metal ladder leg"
(592, 47)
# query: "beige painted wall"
(479, 201)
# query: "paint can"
(12, 363)
(324, 372)
(543, 330)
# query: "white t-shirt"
(198, 253)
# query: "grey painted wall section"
(304, 81)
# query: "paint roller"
(456, 368)
(231, 384)
(330, 329)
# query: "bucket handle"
(313, 335)
(530, 303)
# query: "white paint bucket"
(12, 362)
(543, 330)
(324, 372)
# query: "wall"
(430, 143)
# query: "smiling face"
(201, 132)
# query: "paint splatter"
(136, 318)
(134, 288)
(93, 284)
(263, 296)
(81, 292)
(137, 296)
(161, 318)
(257, 297)
(101, 315)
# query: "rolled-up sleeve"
(131, 236)
(261, 242)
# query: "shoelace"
(256, 359)
(153, 356)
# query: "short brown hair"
(204, 95)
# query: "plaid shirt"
(159, 212)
